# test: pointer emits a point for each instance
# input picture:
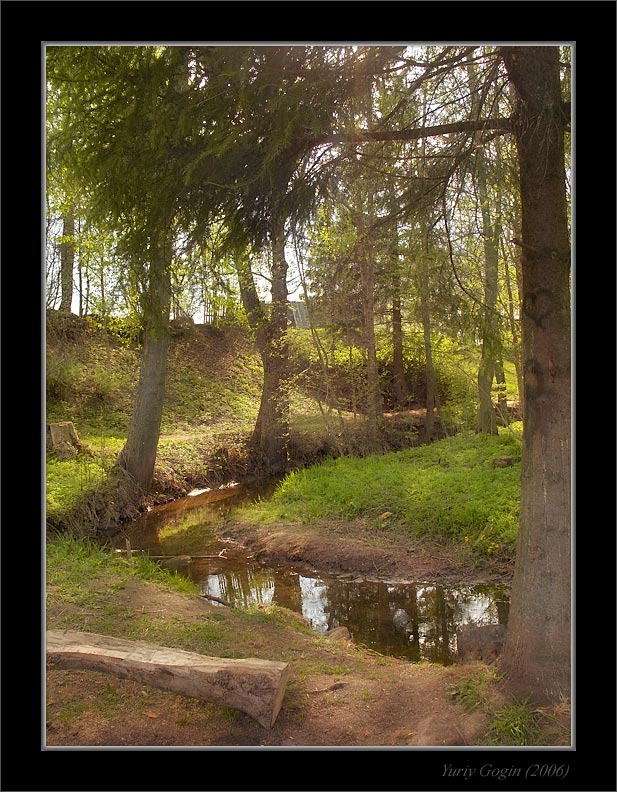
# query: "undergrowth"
(512, 722)
(515, 723)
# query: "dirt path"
(338, 694)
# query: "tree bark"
(491, 342)
(138, 456)
(514, 329)
(374, 407)
(502, 396)
(537, 652)
(271, 434)
(67, 261)
(399, 383)
(429, 367)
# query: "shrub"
(62, 376)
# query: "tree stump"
(503, 461)
(253, 686)
(62, 439)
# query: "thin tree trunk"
(519, 290)
(491, 340)
(429, 366)
(491, 345)
(425, 317)
(67, 261)
(138, 456)
(102, 285)
(271, 434)
(514, 329)
(399, 383)
(487, 420)
(374, 408)
(536, 659)
(425, 306)
(80, 277)
(502, 397)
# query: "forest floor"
(338, 693)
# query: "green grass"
(513, 724)
(212, 398)
(75, 566)
(202, 637)
(70, 480)
(447, 490)
(472, 691)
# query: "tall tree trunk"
(536, 659)
(374, 407)
(80, 282)
(491, 340)
(287, 592)
(487, 420)
(139, 453)
(103, 303)
(502, 397)
(425, 317)
(514, 329)
(67, 261)
(399, 383)
(271, 435)
(400, 390)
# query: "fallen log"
(253, 686)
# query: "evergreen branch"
(360, 136)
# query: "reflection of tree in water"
(255, 586)
(404, 620)
(416, 622)
(436, 614)
(503, 611)
(287, 591)
(242, 588)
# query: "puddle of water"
(415, 621)
(412, 620)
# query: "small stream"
(414, 620)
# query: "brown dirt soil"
(337, 693)
(351, 548)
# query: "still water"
(415, 620)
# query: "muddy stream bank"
(412, 617)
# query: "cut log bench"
(253, 686)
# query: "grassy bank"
(212, 399)
(337, 693)
(448, 490)
(77, 566)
